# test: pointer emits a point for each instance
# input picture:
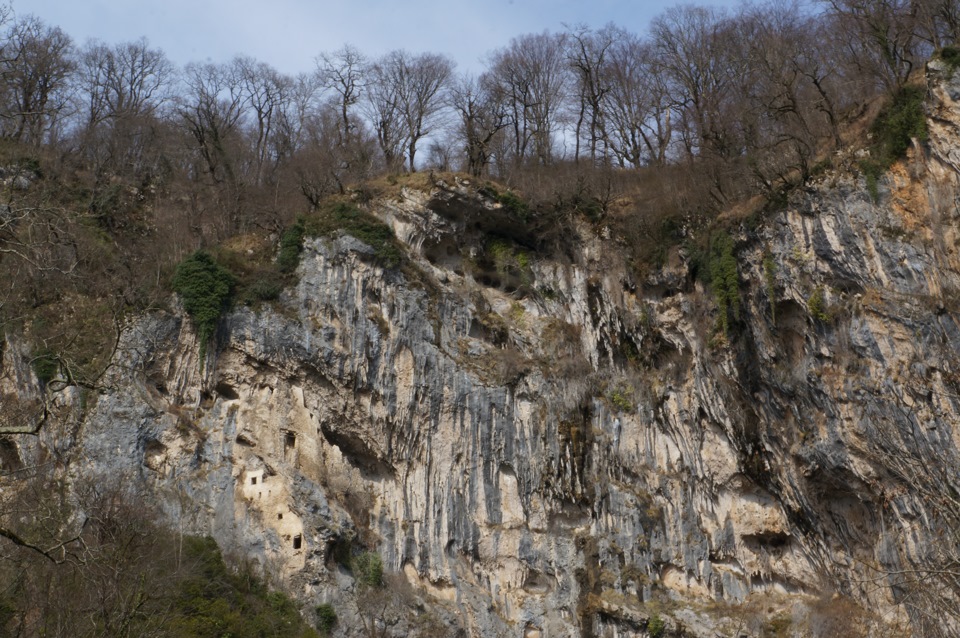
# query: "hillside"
(533, 434)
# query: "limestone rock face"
(548, 450)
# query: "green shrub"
(655, 626)
(717, 267)
(45, 366)
(510, 201)
(326, 618)
(361, 225)
(621, 401)
(872, 172)
(817, 305)
(509, 259)
(266, 288)
(514, 205)
(367, 568)
(206, 289)
(291, 245)
(213, 600)
(901, 121)
(950, 55)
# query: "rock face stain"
(519, 462)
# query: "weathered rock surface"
(576, 458)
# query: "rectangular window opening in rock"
(297, 541)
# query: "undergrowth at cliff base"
(126, 574)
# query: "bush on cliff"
(206, 289)
(897, 125)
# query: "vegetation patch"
(770, 283)
(510, 260)
(367, 568)
(716, 266)
(206, 289)
(620, 399)
(950, 55)
(900, 122)
(656, 626)
(45, 366)
(326, 619)
(215, 601)
(291, 245)
(350, 220)
(511, 203)
(817, 306)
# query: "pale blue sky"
(288, 34)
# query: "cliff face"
(583, 457)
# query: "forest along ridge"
(629, 335)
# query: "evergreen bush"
(900, 122)
(722, 276)
(326, 618)
(206, 289)
(367, 568)
(361, 225)
(291, 245)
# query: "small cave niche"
(226, 391)
(536, 582)
(792, 329)
(206, 400)
(297, 541)
(154, 456)
(445, 253)
(773, 542)
(289, 446)
(253, 480)
(280, 516)
(243, 439)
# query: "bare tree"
(587, 54)
(212, 108)
(483, 114)
(638, 105)
(414, 93)
(123, 88)
(289, 132)
(343, 72)
(533, 75)
(384, 109)
(325, 166)
(790, 99)
(939, 21)
(34, 80)
(687, 48)
(881, 37)
(127, 80)
(266, 94)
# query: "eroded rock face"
(546, 464)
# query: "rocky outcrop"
(544, 447)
